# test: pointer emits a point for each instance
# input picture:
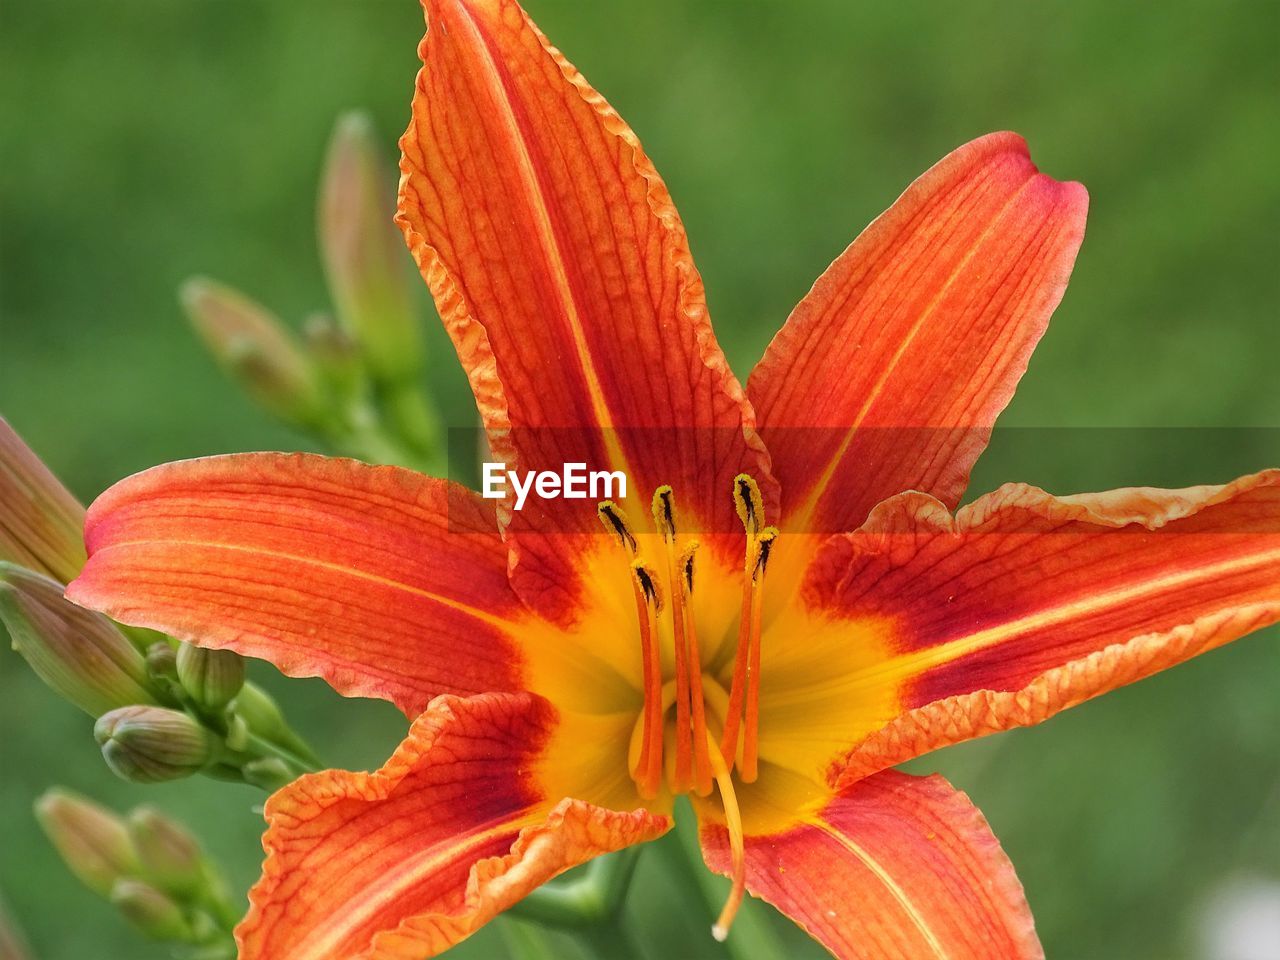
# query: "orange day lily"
(767, 623)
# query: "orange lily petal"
(890, 373)
(405, 862)
(1025, 604)
(386, 583)
(893, 868)
(562, 271)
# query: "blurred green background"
(146, 140)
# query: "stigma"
(690, 736)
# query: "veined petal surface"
(1025, 604)
(382, 581)
(404, 862)
(890, 373)
(893, 868)
(562, 271)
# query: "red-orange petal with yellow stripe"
(893, 868)
(402, 863)
(382, 581)
(1025, 604)
(562, 271)
(890, 373)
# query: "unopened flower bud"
(152, 744)
(80, 654)
(169, 854)
(364, 254)
(92, 841)
(154, 913)
(41, 523)
(162, 660)
(257, 350)
(212, 677)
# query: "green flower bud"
(80, 654)
(92, 841)
(41, 524)
(364, 255)
(212, 677)
(256, 350)
(152, 744)
(162, 660)
(151, 911)
(169, 854)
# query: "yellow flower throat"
(694, 758)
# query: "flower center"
(663, 586)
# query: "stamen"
(737, 848)
(746, 664)
(751, 738)
(664, 519)
(648, 773)
(615, 522)
(701, 762)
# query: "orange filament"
(746, 664)
(733, 820)
(648, 773)
(751, 738)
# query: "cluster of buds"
(147, 865)
(354, 382)
(164, 709)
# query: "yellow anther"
(750, 504)
(764, 544)
(648, 583)
(664, 512)
(686, 568)
(615, 523)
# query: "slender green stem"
(262, 747)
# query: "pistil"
(737, 847)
